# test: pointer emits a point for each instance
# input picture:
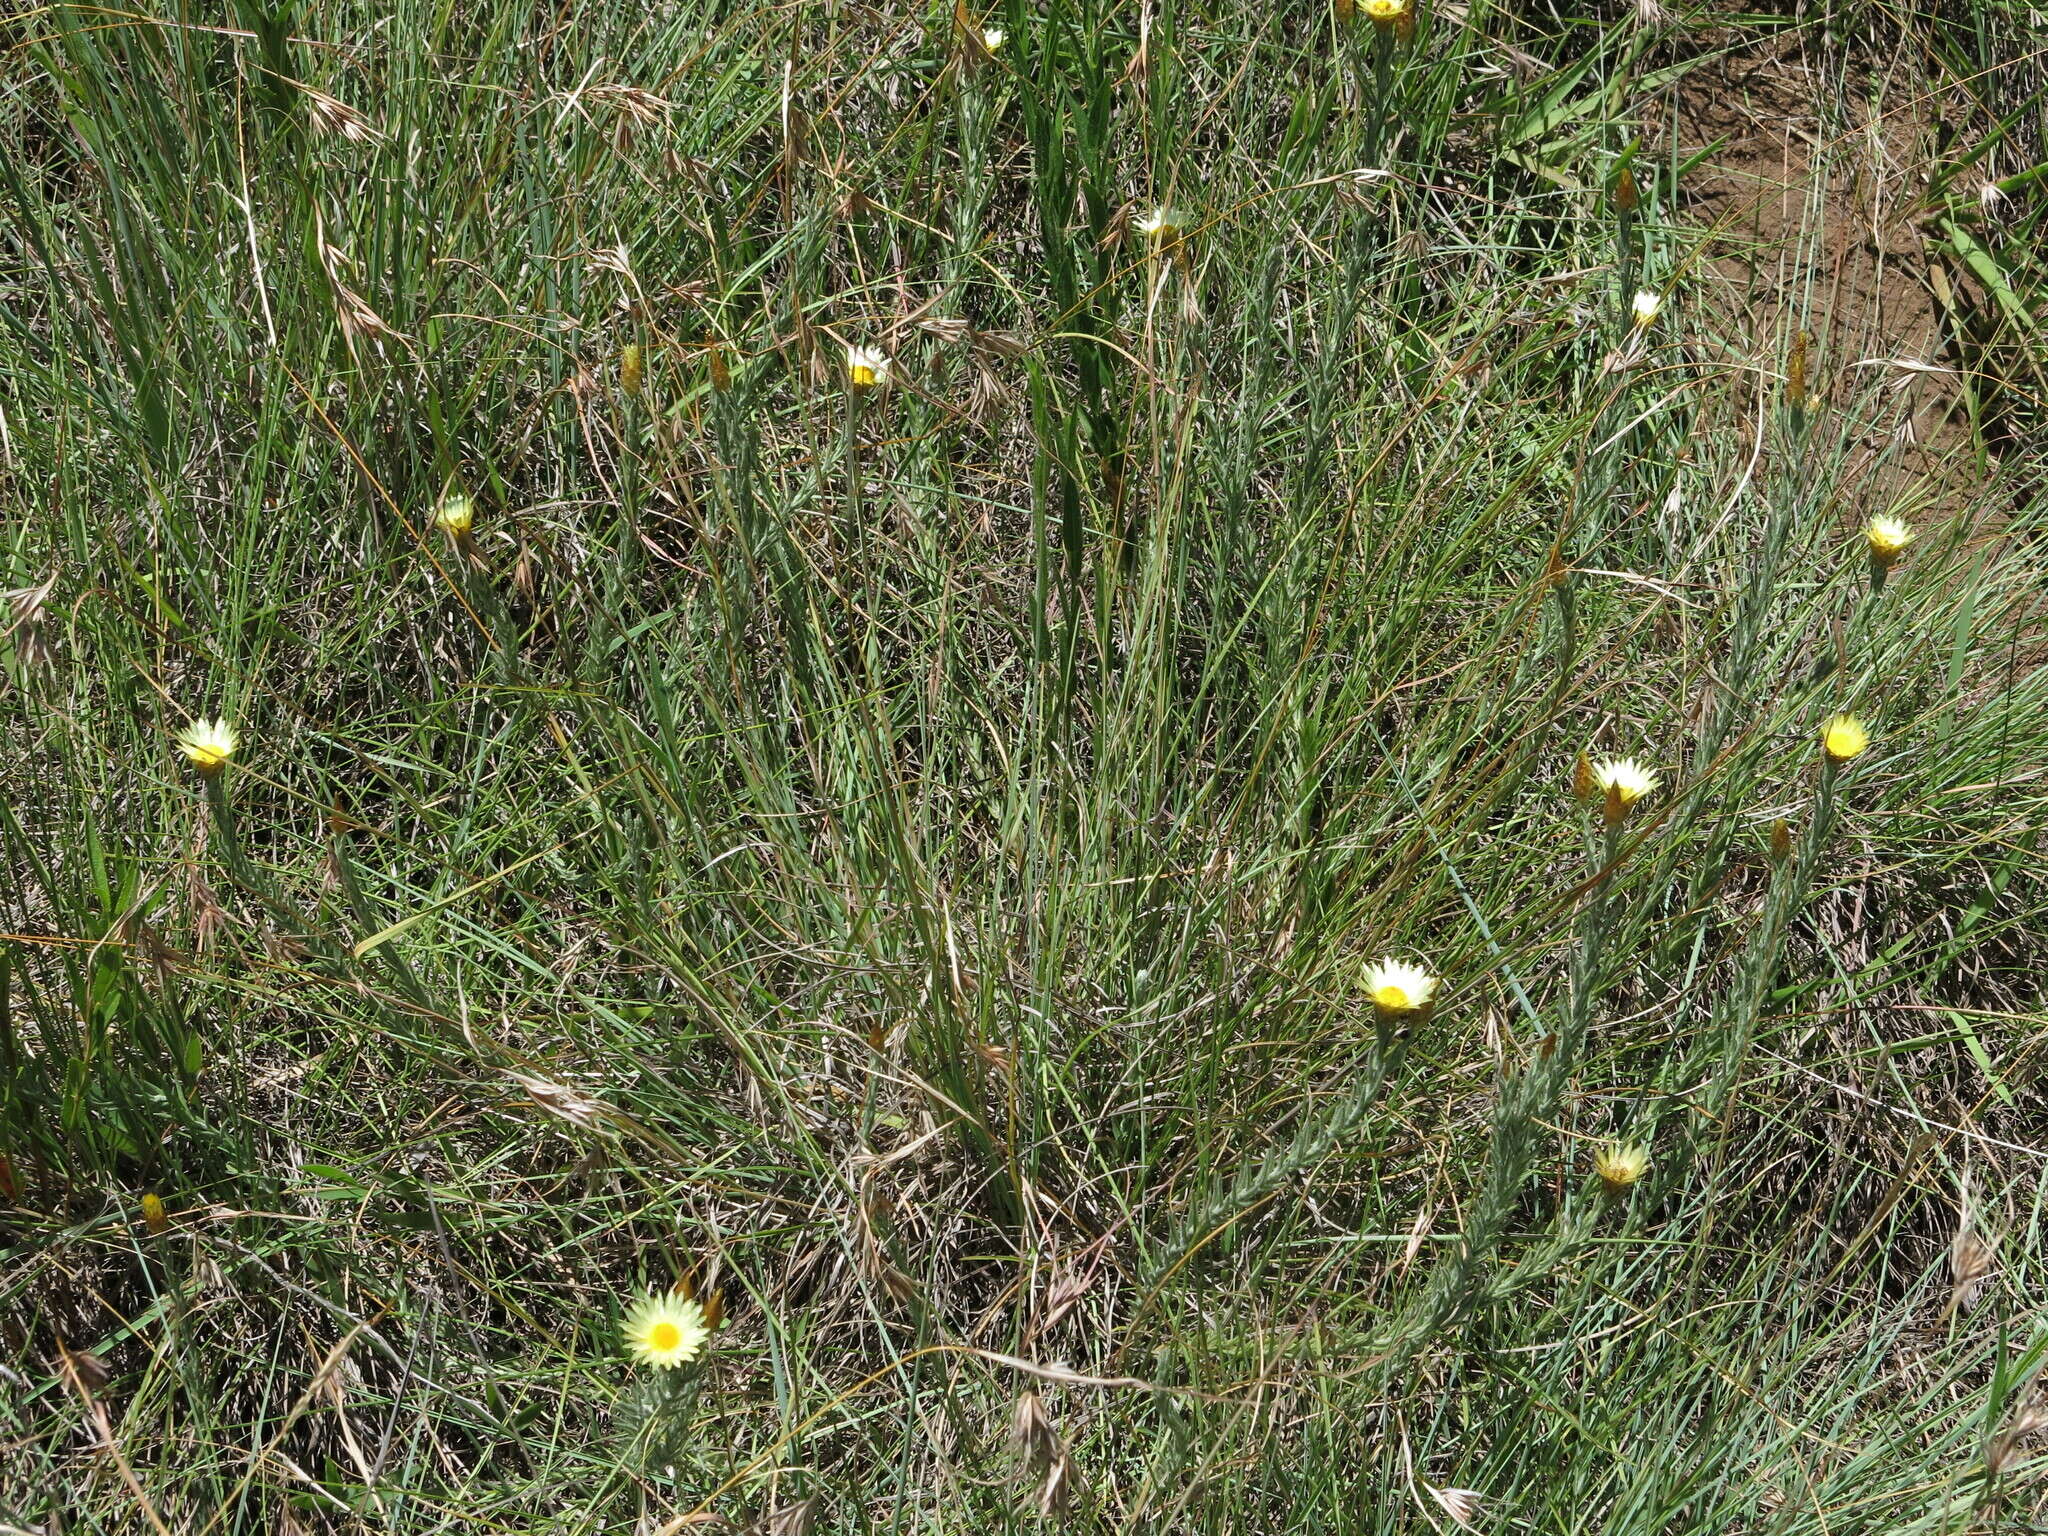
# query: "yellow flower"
(1844, 739)
(1622, 781)
(1645, 304)
(454, 513)
(1619, 1166)
(1160, 223)
(208, 743)
(1397, 987)
(1388, 10)
(866, 366)
(664, 1330)
(154, 1216)
(1888, 537)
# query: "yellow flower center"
(1392, 998)
(863, 375)
(664, 1337)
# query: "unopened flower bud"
(1781, 840)
(1584, 788)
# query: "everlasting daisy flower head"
(1397, 987)
(866, 366)
(208, 744)
(1388, 10)
(1159, 224)
(454, 513)
(1619, 1167)
(665, 1330)
(1844, 739)
(992, 38)
(1645, 305)
(1888, 538)
(1623, 781)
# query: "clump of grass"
(847, 632)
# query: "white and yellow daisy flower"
(1397, 987)
(454, 513)
(1888, 538)
(1619, 1167)
(665, 1330)
(866, 367)
(1160, 223)
(208, 744)
(1622, 781)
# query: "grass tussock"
(849, 768)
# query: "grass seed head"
(1460, 1504)
(1971, 1256)
(1031, 1433)
(332, 115)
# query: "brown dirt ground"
(1812, 223)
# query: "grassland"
(904, 861)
